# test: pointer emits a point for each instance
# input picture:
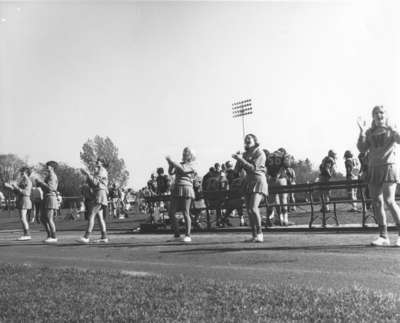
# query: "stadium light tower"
(241, 109)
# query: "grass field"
(58, 295)
(303, 276)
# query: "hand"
(362, 124)
(236, 156)
(8, 185)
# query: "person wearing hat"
(352, 171)
(380, 141)
(50, 205)
(98, 182)
(327, 170)
(22, 190)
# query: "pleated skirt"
(50, 202)
(255, 184)
(383, 174)
(24, 203)
(183, 191)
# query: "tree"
(9, 166)
(104, 148)
(304, 171)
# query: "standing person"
(2, 199)
(163, 182)
(327, 170)
(255, 183)
(352, 171)
(113, 194)
(23, 192)
(50, 204)
(182, 194)
(87, 198)
(36, 198)
(363, 175)
(235, 193)
(383, 174)
(99, 183)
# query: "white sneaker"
(51, 240)
(187, 239)
(381, 242)
(24, 238)
(259, 238)
(101, 240)
(397, 244)
(83, 240)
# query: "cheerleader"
(182, 193)
(255, 183)
(50, 205)
(22, 190)
(98, 182)
(383, 175)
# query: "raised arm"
(362, 143)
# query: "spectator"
(163, 182)
(278, 163)
(383, 174)
(114, 195)
(363, 175)
(23, 192)
(152, 184)
(327, 171)
(255, 183)
(235, 182)
(352, 171)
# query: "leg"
(255, 200)
(51, 223)
(251, 216)
(93, 212)
(376, 192)
(102, 223)
(186, 215)
(24, 221)
(45, 221)
(284, 208)
(389, 191)
(172, 216)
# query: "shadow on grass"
(325, 248)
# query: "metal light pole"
(240, 109)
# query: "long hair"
(374, 110)
(256, 143)
(191, 152)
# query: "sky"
(158, 76)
